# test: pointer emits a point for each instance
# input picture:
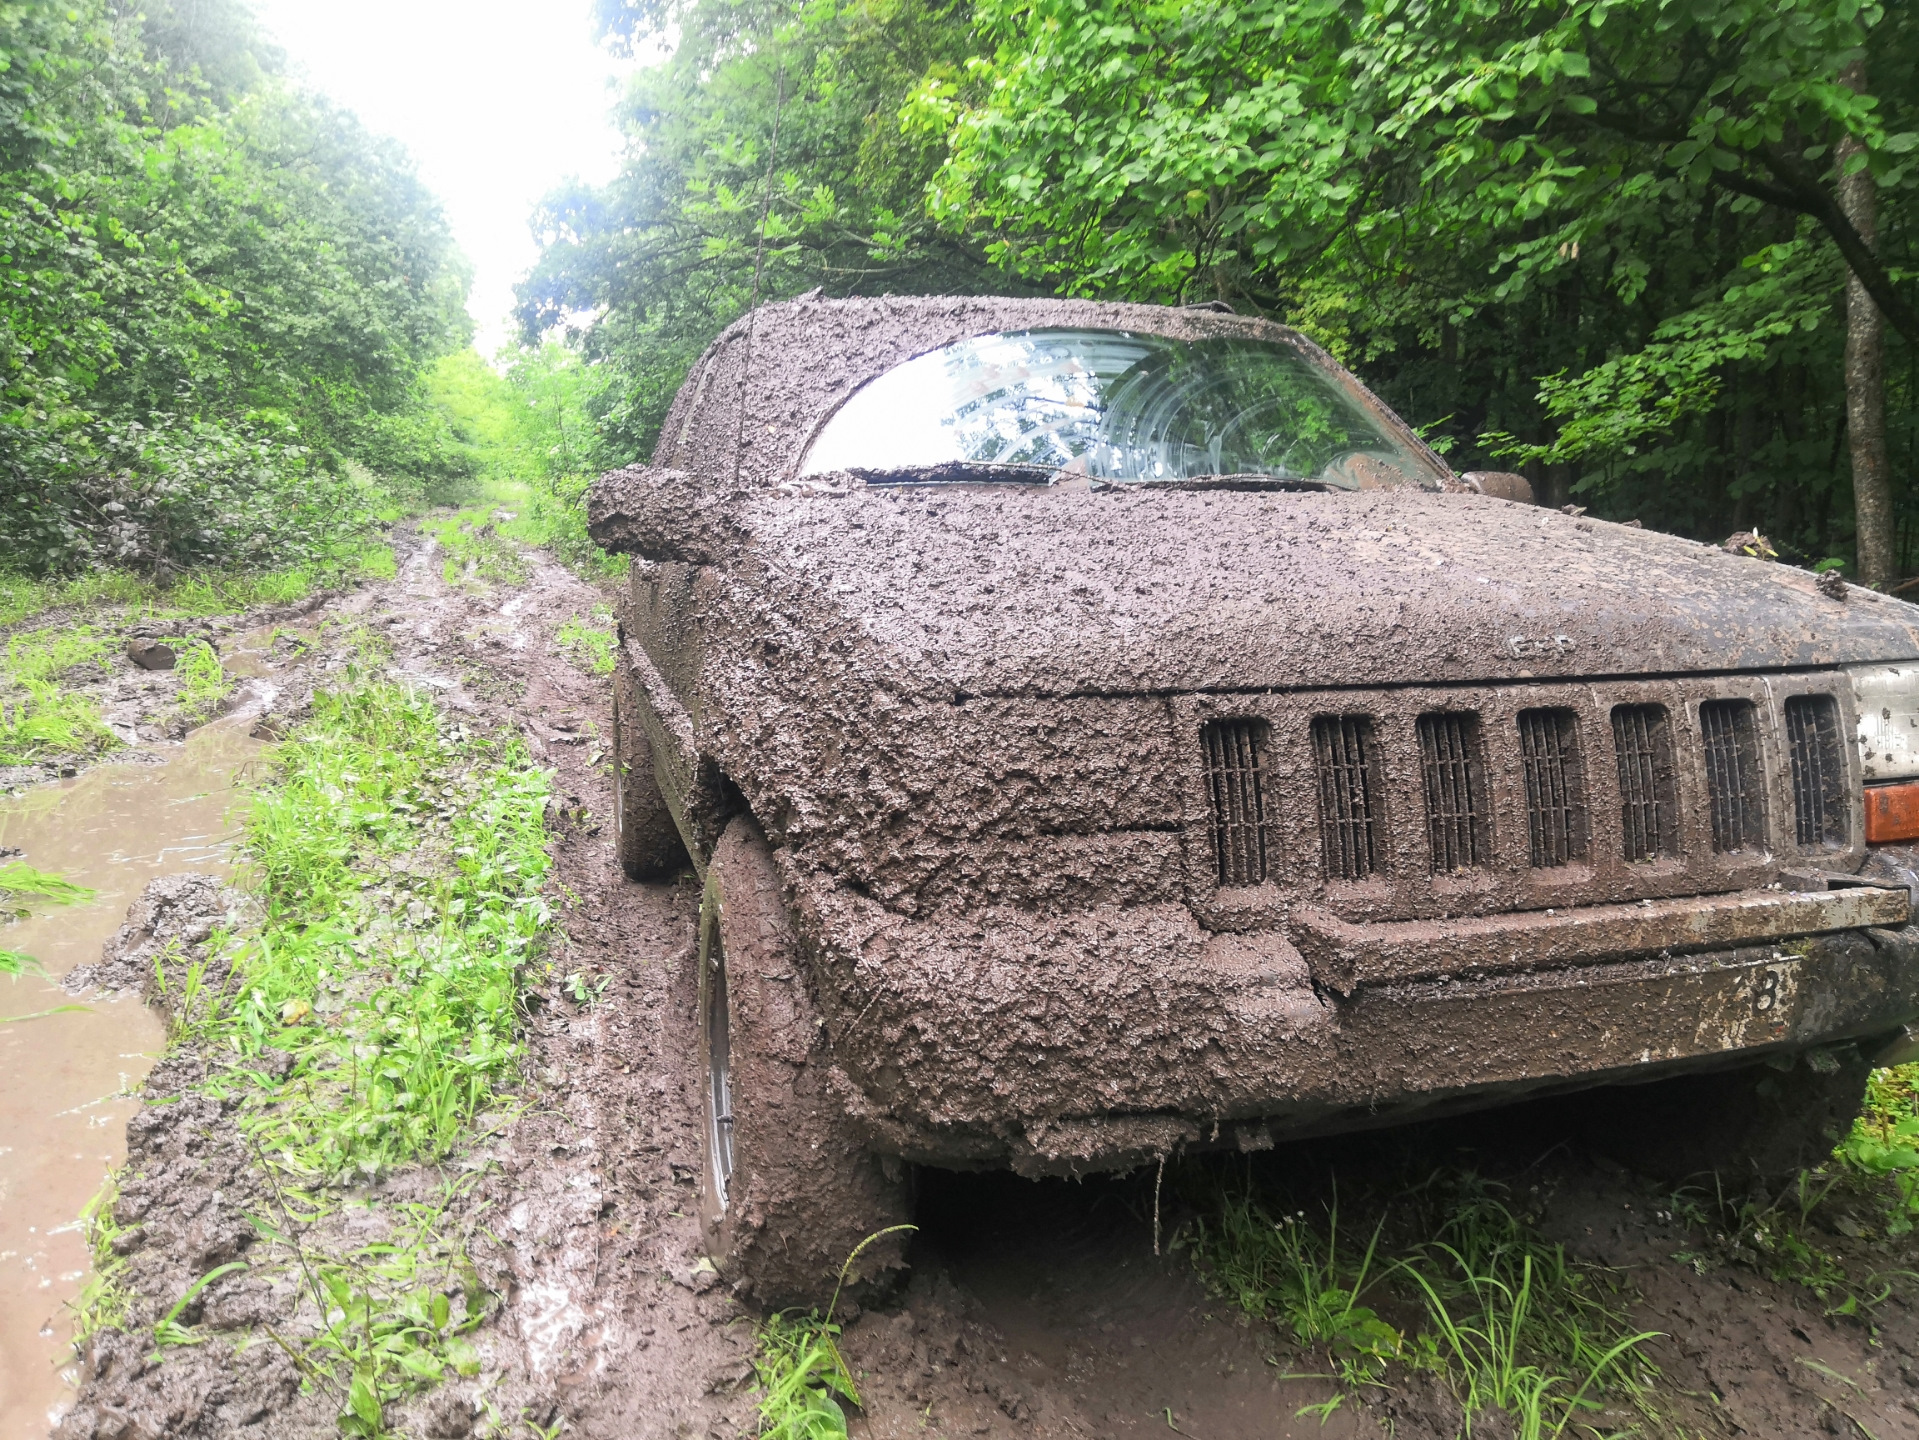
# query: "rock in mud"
(151, 654)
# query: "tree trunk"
(1866, 375)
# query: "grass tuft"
(197, 592)
(1295, 1273)
(363, 1025)
(203, 681)
(803, 1378)
(1508, 1321)
(37, 717)
(588, 644)
(477, 550)
(103, 1301)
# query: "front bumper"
(1100, 1039)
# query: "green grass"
(197, 592)
(804, 1382)
(22, 890)
(384, 820)
(41, 718)
(1838, 1229)
(21, 885)
(1515, 1325)
(1884, 1143)
(38, 718)
(203, 681)
(397, 1313)
(1299, 1275)
(549, 515)
(478, 551)
(103, 1301)
(22, 598)
(1508, 1321)
(588, 644)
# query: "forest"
(1656, 255)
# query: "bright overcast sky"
(499, 101)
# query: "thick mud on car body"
(1106, 731)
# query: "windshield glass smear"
(1112, 405)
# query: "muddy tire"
(787, 1191)
(1759, 1122)
(644, 835)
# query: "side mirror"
(1502, 485)
(660, 514)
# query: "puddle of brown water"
(64, 1079)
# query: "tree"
(646, 270)
(1601, 234)
(214, 291)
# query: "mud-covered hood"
(1001, 590)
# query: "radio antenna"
(759, 261)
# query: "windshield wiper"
(959, 472)
(989, 472)
(1250, 481)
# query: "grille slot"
(1456, 810)
(1235, 752)
(1348, 823)
(1735, 779)
(1648, 808)
(1556, 821)
(1818, 771)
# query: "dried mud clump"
(169, 929)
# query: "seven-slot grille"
(1735, 784)
(1235, 777)
(1342, 751)
(1459, 758)
(1556, 825)
(1648, 809)
(1456, 811)
(1818, 771)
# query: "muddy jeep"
(1106, 731)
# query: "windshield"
(1112, 405)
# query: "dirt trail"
(1031, 1310)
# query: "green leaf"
(462, 1356)
(364, 1402)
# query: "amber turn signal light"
(1892, 813)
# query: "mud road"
(1030, 1309)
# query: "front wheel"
(787, 1191)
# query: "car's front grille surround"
(1557, 825)
(1735, 778)
(1648, 806)
(1348, 796)
(1821, 817)
(1235, 782)
(1458, 823)
(1588, 792)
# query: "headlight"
(1887, 700)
